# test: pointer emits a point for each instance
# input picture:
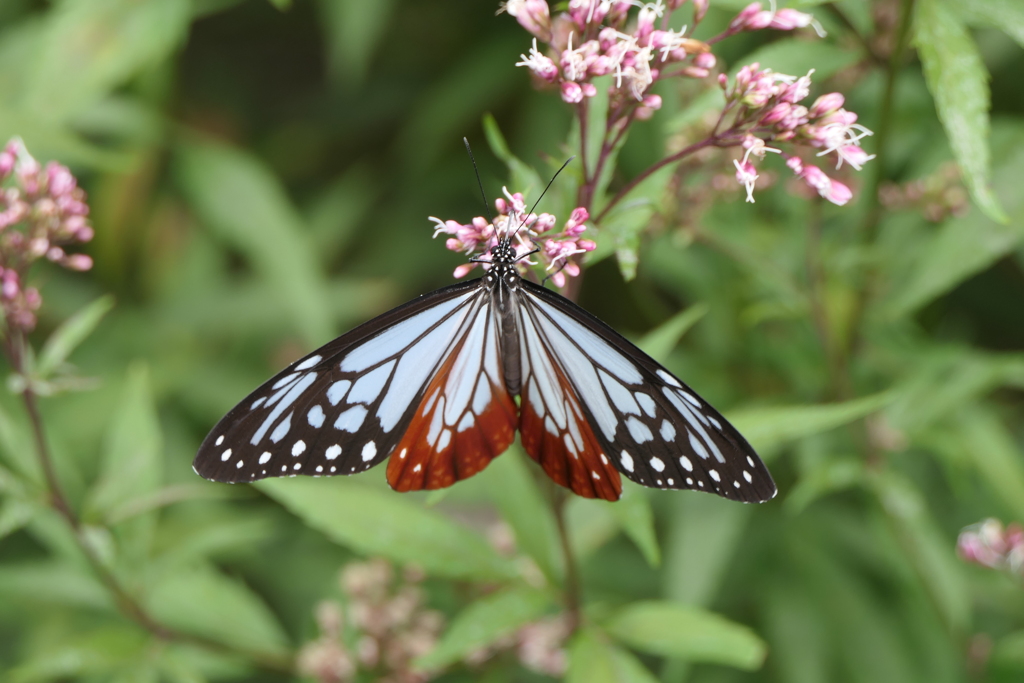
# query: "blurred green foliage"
(260, 174)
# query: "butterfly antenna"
(546, 188)
(487, 205)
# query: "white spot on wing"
(444, 440)
(685, 462)
(309, 362)
(714, 475)
(332, 453)
(668, 432)
(627, 461)
(298, 448)
(619, 394)
(225, 456)
(657, 464)
(257, 403)
(281, 430)
(369, 451)
(647, 403)
(337, 391)
(466, 422)
(640, 432)
(367, 388)
(351, 420)
(746, 475)
(220, 440)
(265, 458)
(315, 417)
(668, 378)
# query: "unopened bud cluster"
(42, 212)
(767, 108)
(938, 196)
(388, 628)
(530, 232)
(992, 545)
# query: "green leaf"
(1005, 15)
(202, 601)
(376, 522)
(484, 622)
(354, 29)
(993, 451)
(825, 478)
(965, 246)
(688, 633)
(770, 427)
(92, 47)
(958, 81)
(239, 198)
(282, 5)
(14, 515)
(931, 554)
(131, 464)
(659, 342)
(101, 652)
(1009, 650)
(521, 175)
(796, 57)
(514, 491)
(70, 334)
(590, 660)
(633, 511)
(52, 583)
(627, 220)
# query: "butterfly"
(432, 387)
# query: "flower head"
(531, 234)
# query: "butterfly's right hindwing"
(344, 407)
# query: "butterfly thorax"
(502, 281)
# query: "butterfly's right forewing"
(343, 408)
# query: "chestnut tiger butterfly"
(432, 387)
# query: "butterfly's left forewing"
(652, 427)
(345, 407)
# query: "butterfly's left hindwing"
(343, 408)
(653, 428)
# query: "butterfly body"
(432, 386)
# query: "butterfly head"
(503, 253)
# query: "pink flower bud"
(700, 8)
(789, 19)
(572, 92)
(854, 155)
(7, 160)
(79, 262)
(645, 25)
(501, 205)
(723, 81)
(588, 89)
(59, 179)
(840, 117)
(652, 102)
(54, 254)
(705, 60)
(795, 164)
(579, 215)
(586, 245)
(839, 193)
(32, 298)
(586, 12)
(9, 285)
(38, 246)
(453, 244)
(826, 104)
(776, 114)
(533, 15)
(545, 222)
(743, 18)
(84, 233)
(759, 21)
(463, 270)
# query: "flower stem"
(572, 580)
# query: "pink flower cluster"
(992, 545)
(390, 625)
(600, 37)
(531, 233)
(42, 211)
(767, 109)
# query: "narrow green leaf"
(354, 30)
(70, 334)
(770, 427)
(282, 5)
(703, 537)
(514, 491)
(103, 652)
(659, 342)
(958, 81)
(521, 175)
(620, 230)
(53, 583)
(14, 515)
(1005, 15)
(827, 477)
(1009, 650)
(931, 554)
(633, 511)
(484, 622)
(688, 633)
(204, 602)
(131, 464)
(796, 57)
(590, 660)
(629, 669)
(993, 451)
(92, 47)
(965, 246)
(376, 522)
(239, 198)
